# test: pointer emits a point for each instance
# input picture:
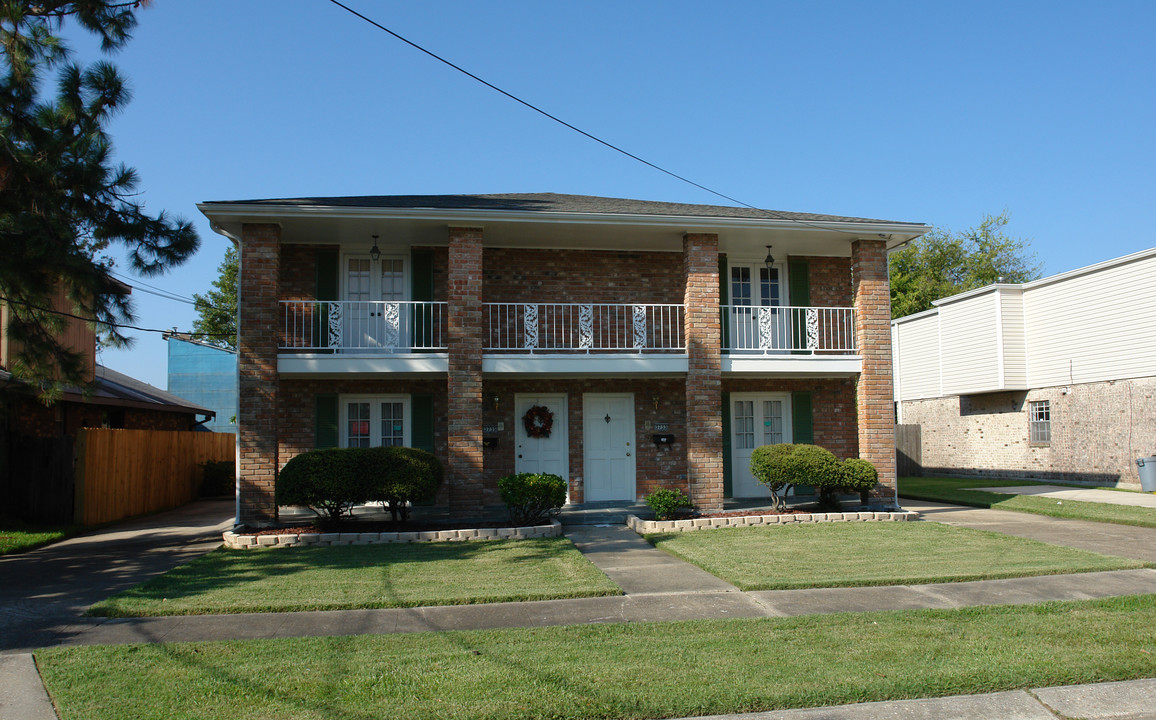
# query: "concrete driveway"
(43, 592)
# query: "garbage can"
(1147, 468)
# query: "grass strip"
(638, 670)
(17, 536)
(776, 557)
(365, 576)
(957, 491)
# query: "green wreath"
(539, 421)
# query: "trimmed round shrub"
(666, 503)
(329, 481)
(860, 476)
(401, 476)
(769, 466)
(532, 498)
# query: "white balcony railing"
(813, 330)
(584, 327)
(351, 326)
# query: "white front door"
(757, 320)
(548, 453)
(608, 439)
(376, 316)
(756, 419)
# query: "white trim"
(313, 365)
(343, 401)
(585, 365)
(1001, 375)
(797, 366)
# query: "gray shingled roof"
(549, 202)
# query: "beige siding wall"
(917, 357)
(969, 350)
(1093, 327)
(1015, 367)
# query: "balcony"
(795, 330)
(537, 328)
(362, 327)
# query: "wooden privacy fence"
(908, 450)
(120, 473)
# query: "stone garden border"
(242, 541)
(709, 523)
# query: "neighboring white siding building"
(1054, 378)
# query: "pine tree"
(217, 309)
(62, 202)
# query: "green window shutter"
(802, 429)
(421, 280)
(421, 431)
(802, 422)
(728, 478)
(799, 291)
(325, 422)
(325, 266)
(725, 323)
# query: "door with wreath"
(541, 433)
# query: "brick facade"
(1097, 432)
(874, 405)
(464, 456)
(830, 281)
(832, 408)
(582, 276)
(257, 334)
(704, 463)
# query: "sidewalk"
(657, 587)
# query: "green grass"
(853, 554)
(636, 670)
(956, 491)
(16, 536)
(365, 576)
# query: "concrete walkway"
(657, 587)
(1063, 492)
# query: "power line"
(774, 215)
(109, 324)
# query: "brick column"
(257, 326)
(874, 391)
(704, 445)
(464, 464)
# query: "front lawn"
(956, 491)
(365, 576)
(636, 670)
(16, 536)
(846, 554)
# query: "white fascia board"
(915, 316)
(795, 366)
(584, 365)
(899, 232)
(309, 365)
(1143, 254)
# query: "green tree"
(217, 309)
(62, 201)
(943, 263)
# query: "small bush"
(329, 481)
(667, 503)
(219, 477)
(401, 476)
(860, 476)
(531, 498)
(768, 465)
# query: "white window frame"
(375, 400)
(1040, 422)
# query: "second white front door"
(544, 453)
(609, 441)
(756, 419)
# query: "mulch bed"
(379, 526)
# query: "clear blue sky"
(915, 111)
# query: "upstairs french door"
(376, 314)
(756, 323)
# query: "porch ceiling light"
(770, 261)
(375, 253)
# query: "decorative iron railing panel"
(354, 326)
(584, 328)
(782, 329)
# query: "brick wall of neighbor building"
(1098, 431)
(832, 408)
(582, 276)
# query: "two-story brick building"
(625, 345)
